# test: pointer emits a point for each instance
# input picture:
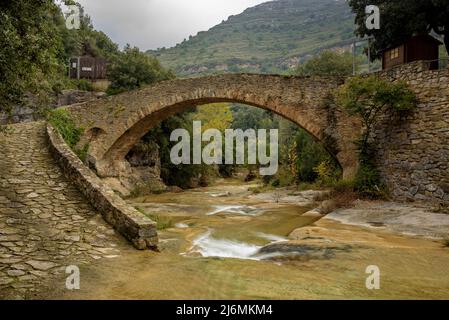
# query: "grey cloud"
(151, 24)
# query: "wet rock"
(295, 250)
(315, 213)
(171, 245)
(308, 233)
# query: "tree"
(35, 46)
(29, 48)
(371, 97)
(327, 63)
(132, 69)
(402, 19)
(86, 40)
(214, 116)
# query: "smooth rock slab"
(41, 265)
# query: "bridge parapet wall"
(133, 225)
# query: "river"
(211, 248)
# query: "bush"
(84, 85)
(63, 122)
(325, 172)
(328, 63)
(368, 182)
(133, 69)
(372, 99)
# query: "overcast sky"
(151, 24)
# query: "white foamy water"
(236, 209)
(219, 194)
(271, 237)
(208, 246)
(181, 226)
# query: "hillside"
(271, 37)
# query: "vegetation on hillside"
(269, 38)
(327, 63)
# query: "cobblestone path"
(45, 223)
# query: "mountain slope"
(271, 37)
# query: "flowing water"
(221, 221)
(212, 242)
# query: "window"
(394, 53)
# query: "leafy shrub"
(328, 63)
(84, 85)
(5, 130)
(132, 69)
(82, 152)
(324, 171)
(368, 182)
(63, 122)
(372, 98)
(341, 186)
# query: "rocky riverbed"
(226, 242)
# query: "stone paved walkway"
(45, 223)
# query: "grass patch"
(162, 223)
(6, 130)
(70, 132)
(146, 189)
(63, 122)
(262, 189)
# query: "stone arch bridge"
(113, 125)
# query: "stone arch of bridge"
(117, 123)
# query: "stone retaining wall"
(133, 225)
(413, 153)
(29, 110)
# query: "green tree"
(327, 63)
(29, 48)
(86, 40)
(214, 116)
(132, 69)
(371, 98)
(402, 19)
(309, 155)
(171, 174)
